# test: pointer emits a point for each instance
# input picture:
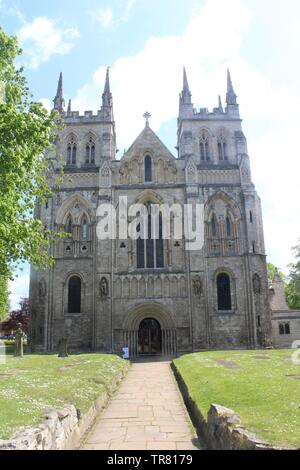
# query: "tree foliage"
(16, 318)
(293, 286)
(272, 270)
(26, 131)
(4, 294)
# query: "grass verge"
(262, 387)
(30, 385)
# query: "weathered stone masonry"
(99, 293)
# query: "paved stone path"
(147, 413)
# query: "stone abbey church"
(154, 297)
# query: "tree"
(26, 131)
(293, 287)
(16, 318)
(3, 297)
(272, 270)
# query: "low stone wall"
(223, 429)
(61, 429)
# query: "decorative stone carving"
(105, 175)
(103, 290)
(191, 172)
(42, 288)
(256, 284)
(197, 286)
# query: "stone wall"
(290, 317)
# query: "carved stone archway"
(158, 313)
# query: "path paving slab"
(147, 413)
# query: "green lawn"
(34, 383)
(263, 387)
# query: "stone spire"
(185, 98)
(220, 105)
(186, 95)
(107, 99)
(232, 107)
(69, 111)
(59, 102)
(230, 96)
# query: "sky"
(146, 44)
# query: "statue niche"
(256, 284)
(197, 286)
(103, 289)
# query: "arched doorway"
(149, 337)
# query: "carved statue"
(103, 288)
(197, 286)
(256, 284)
(42, 288)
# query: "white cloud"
(108, 19)
(128, 8)
(19, 288)
(105, 17)
(42, 38)
(151, 80)
(276, 169)
(46, 103)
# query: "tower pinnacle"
(69, 108)
(186, 95)
(230, 96)
(59, 102)
(107, 96)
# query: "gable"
(148, 143)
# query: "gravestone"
(19, 342)
(63, 347)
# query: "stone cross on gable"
(147, 116)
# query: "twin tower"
(153, 296)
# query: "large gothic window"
(204, 147)
(148, 169)
(222, 148)
(150, 251)
(90, 151)
(74, 295)
(224, 292)
(71, 151)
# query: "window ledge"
(225, 312)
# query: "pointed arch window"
(222, 148)
(224, 292)
(214, 227)
(204, 147)
(84, 229)
(90, 151)
(72, 151)
(74, 295)
(69, 225)
(148, 169)
(150, 251)
(228, 227)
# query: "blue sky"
(146, 44)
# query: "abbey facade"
(153, 296)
